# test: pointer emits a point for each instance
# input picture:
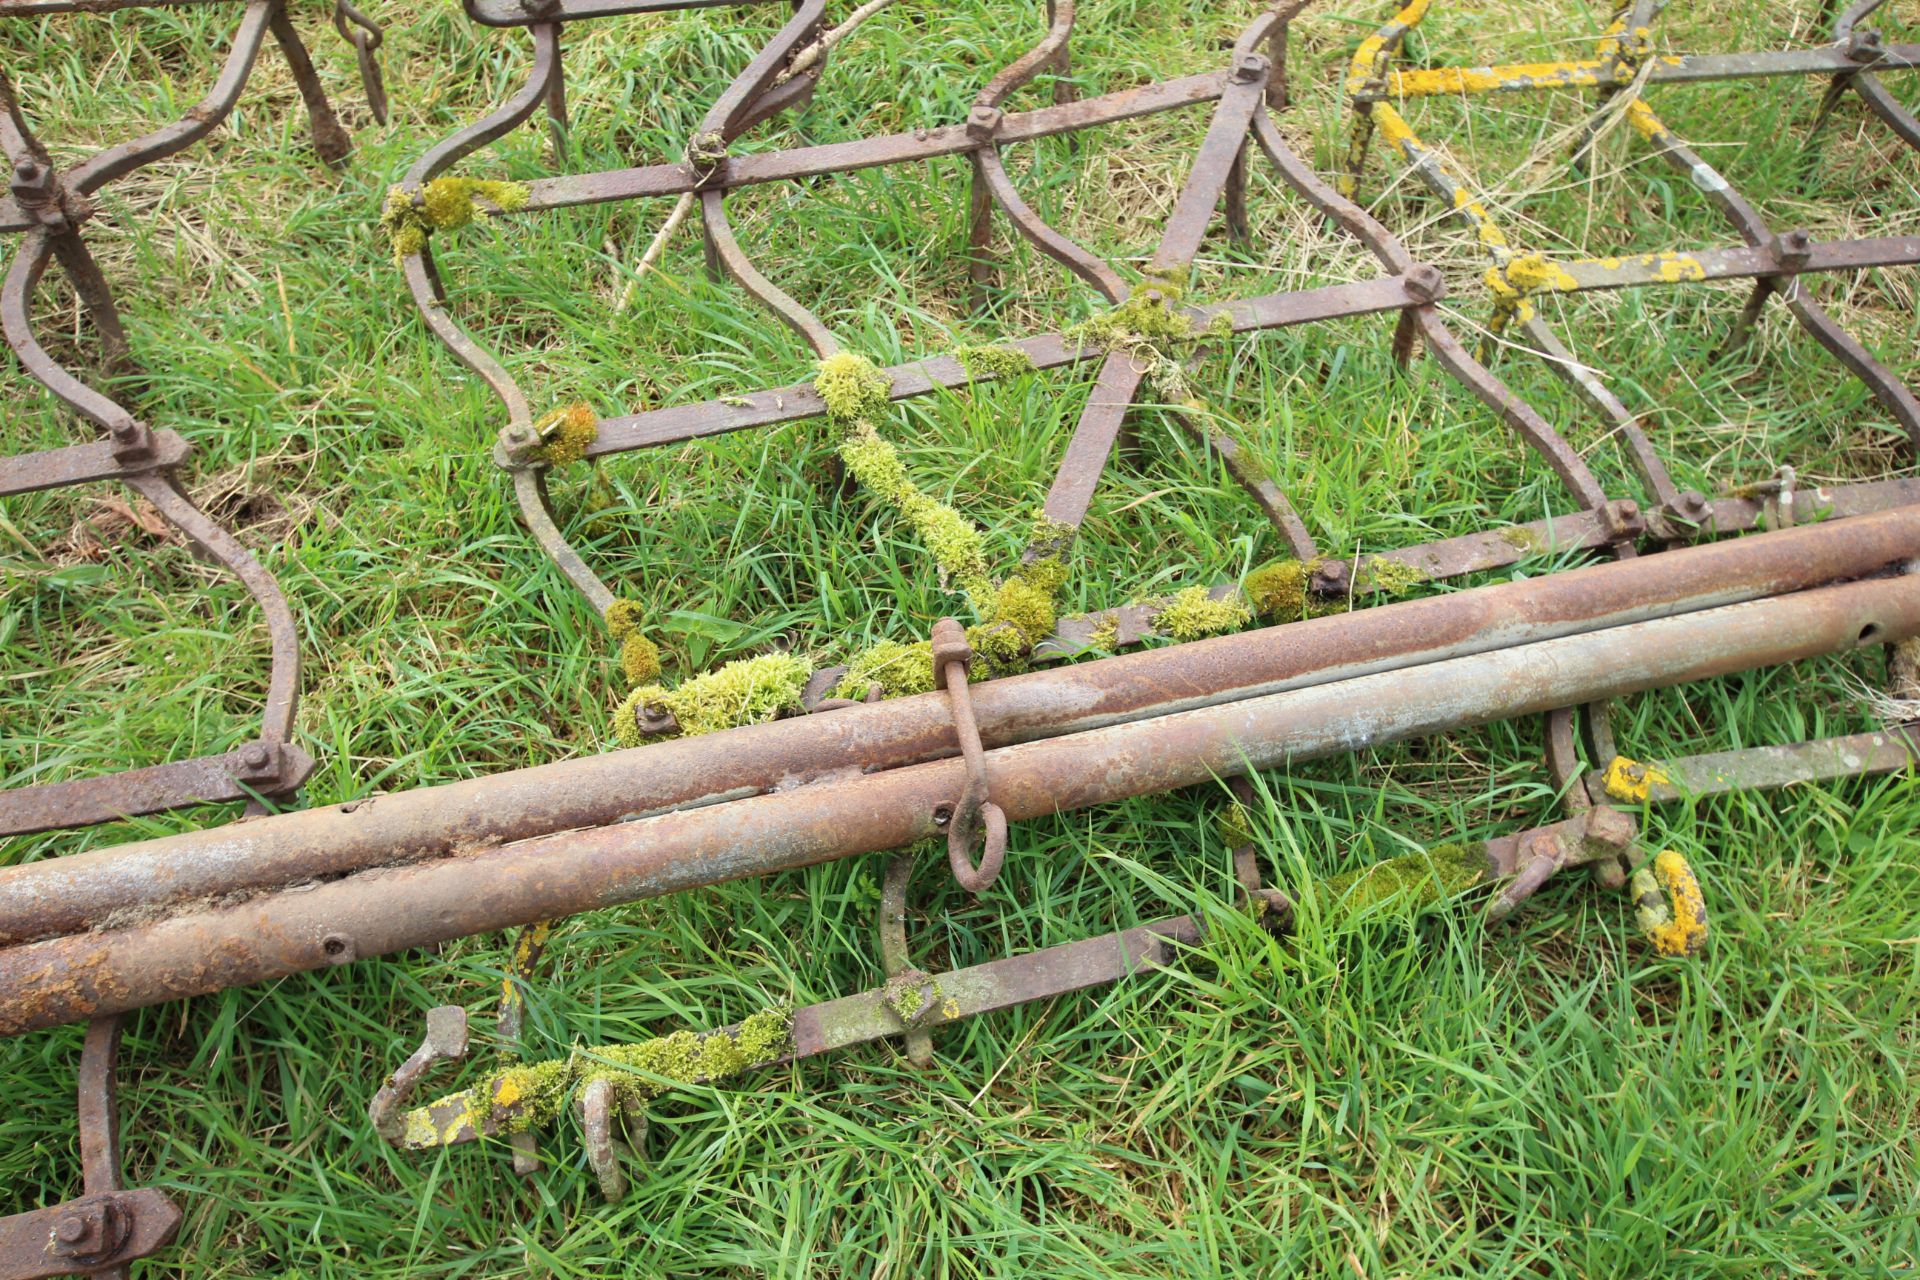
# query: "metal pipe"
(382, 911)
(84, 890)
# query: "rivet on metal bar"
(974, 814)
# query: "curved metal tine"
(1894, 396)
(895, 957)
(366, 42)
(530, 491)
(601, 1108)
(1542, 341)
(16, 302)
(423, 280)
(990, 172)
(993, 185)
(445, 1041)
(103, 167)
(758, 76)
(1865, 84)
(1451, 354)
(499, 122)
(731, 256)
(329, 138)
(283, 687)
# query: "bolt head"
(1249, 67)
(984, 122)
(72, 1229)
(254, 755)
(1865, 44)
(1424, 281)
(124, 430)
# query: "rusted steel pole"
(377, 912)
(82, 890)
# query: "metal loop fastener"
(974, 813)
(366, 41)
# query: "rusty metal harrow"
(48, 210)
(835, 776)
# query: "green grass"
(1394, 1098)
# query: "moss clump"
(444, 204)
(1149, 327)
(899, 670)
(528, 1097)
(624, 617)
(852, 387)
(1278, 590)
(566, 434)
(686, 1057)
(1410, 883)
(639, 659)
(745, 691)
(1105, 636)
(993, 362)
(1234, 825)
(1193, 614)
(1392, 576)
(950, 537)
(1522, 539)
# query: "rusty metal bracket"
(973, 816)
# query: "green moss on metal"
(745, 691)
(1409, 883)
(899, 669)
(1234, 825)
(993, 362)
(411, 214)
(566, 434)
(1193, 614)
(1392, 576)
(1278, 590)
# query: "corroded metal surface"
(51, 206)
(382, 911)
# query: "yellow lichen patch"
(566, 434)
(1530, 272)
(1669, 906)
(1640, 116)
(442, 205)
(745, 691)
(1471, 80)
(1631, 782)
(1194, 613)
(1394, 129)
(1678, 268)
